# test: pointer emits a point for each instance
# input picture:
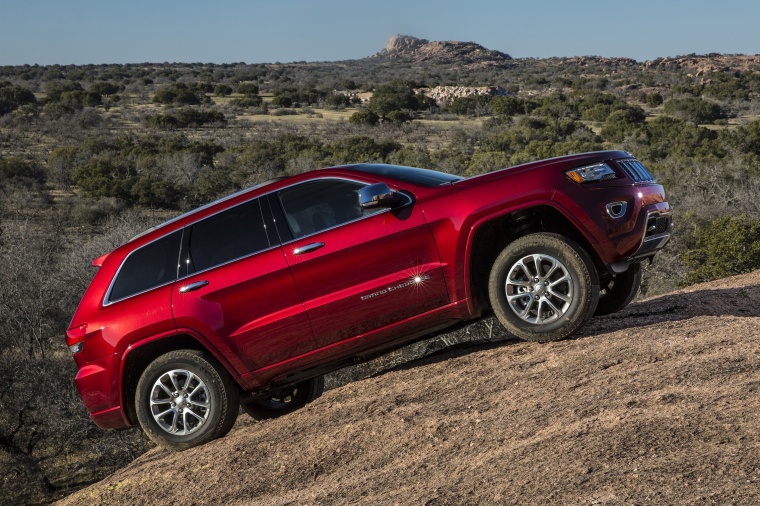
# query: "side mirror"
(377, 195)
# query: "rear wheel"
(618, 291)
(185, 398)
(286, 400)
(543, 287)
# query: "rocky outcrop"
(442, 94)
(700, 65)
(404, 44)
(408, 49)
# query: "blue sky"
(135, 31)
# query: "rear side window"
(153, 265)
(227, 236)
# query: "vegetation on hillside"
(91, 155)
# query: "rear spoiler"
(99, 261)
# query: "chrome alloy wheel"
(180, 402)
(539, 289)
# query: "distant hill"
(408, 49)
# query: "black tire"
(185, 398)
(617, 291)
(285, 401)
(543, 287)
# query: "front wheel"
(185, 398)
(543, 287)
(619, 290)
(286, 400)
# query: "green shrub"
(694, 109)
(364, 117)
(724, 247)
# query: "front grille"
(657, 225)
(636, 171)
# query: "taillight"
(75, 337)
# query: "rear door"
(237, 291)
(357, 270)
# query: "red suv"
(249, 300)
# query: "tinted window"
(318, 205)
(229, 235)
(153, 265)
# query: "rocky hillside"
(408, 49)
(656, 405)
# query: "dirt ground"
(655, 405)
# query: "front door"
(357, 270)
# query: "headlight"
(589, 173)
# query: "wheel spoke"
(173, 379)
(163, 413)
(561, 296)
(554, 308)
(201, 404)
(554, 267)
(163, 387)
(190, 412)
(173, 428)
(565, 278)
(539, 313)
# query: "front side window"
(153, 265)
(227, 236)
(322, 204)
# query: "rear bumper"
(99, 390)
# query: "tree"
(222, 90)
(105, 88)
(364, 117)
(396, 96)
(248, 88)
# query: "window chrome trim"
(107, 302)
(210, 204)
(228, 262)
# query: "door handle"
(308, 248)
(193, 286)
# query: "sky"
(225, 31)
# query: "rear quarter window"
(150, 266)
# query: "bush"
(396, 96)
(247, 101)
(694, 109)
(282, 101)
(15, 172)
(222, 90)
(187, 118)
(724, 247)
(248, 89)
(180, 94)
(654, 99)
(12, 97)
(364, 117)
